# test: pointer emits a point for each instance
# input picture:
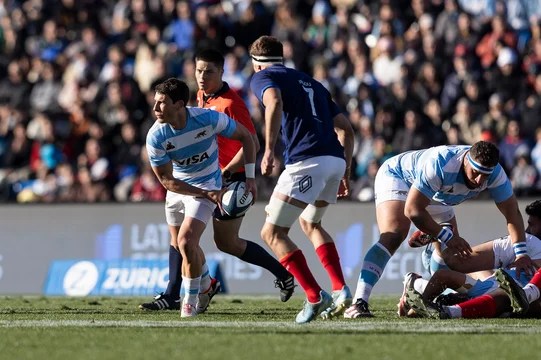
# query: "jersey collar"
(223, 90)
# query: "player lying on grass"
(488, 297)
(524, 300)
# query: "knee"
(391, 240)
(307, 227)
(186, 247)
(266, 233)
(269, 234)
(442, 274)
(452, 261)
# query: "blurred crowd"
(77, 78)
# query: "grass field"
(239, 327)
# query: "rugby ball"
(235, 201)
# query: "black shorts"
(239, 176)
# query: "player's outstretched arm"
(164, 173)
(415, 210)
(515, 225)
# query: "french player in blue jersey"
(183, 152)
(318, 141)
(421, 187)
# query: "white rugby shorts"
(177, 206)
(388, 188)
(313, 179)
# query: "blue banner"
(134, 277)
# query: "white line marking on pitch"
(354, 326)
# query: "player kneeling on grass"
(477, 297)
(182, 150)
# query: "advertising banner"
(101, 238)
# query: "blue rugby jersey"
(436, 172)
(194, 149)
(308, 111)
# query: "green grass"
(239, 327)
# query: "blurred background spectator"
(77, 79)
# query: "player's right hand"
(524, 263)
(216, 197)
(267, 163)
(343, 190)
(460, 246)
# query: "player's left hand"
(251, 187)
(343, 190)
(460, 246)
(524, 263)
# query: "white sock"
(191, 290)
(363, 291)
(532, 292)
(420, 285)
(205, 278)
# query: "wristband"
(520, 249)
(249, 169)
(445, 235)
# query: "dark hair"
(534, 209)
(174, 88)
(211, 56)
(486, 153)
(267, 46)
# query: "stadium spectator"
(413, 136)
(530, 108)
(496, 119)
(445, 28)
(535, 154)
(475, 96)
(146, 187)
(512, 144)
(126, 162)
(505, 78)
(524, 175)
(490, 44)
(136, 43)
(14, 89)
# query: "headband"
(267, 60)
(478, 167)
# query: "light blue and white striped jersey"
(436, 172)
(194, 149)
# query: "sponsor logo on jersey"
(192, 160)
